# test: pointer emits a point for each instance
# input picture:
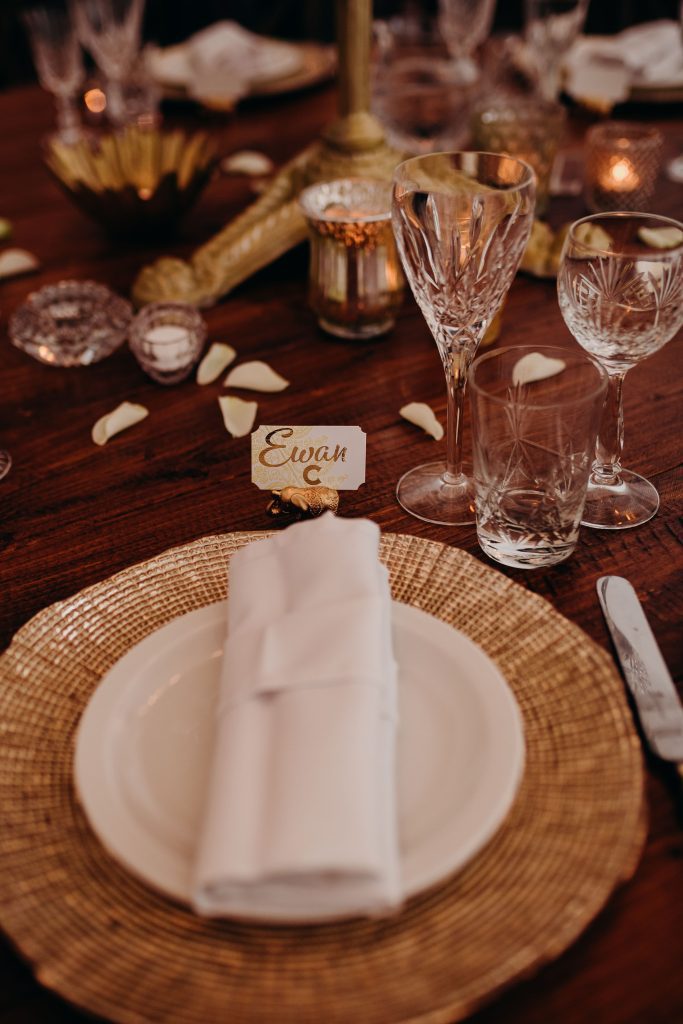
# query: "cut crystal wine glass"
(620, 289)
(59, 63)
(462, 221)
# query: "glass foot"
(630, 502)
(425, 494)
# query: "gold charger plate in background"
(105, 942)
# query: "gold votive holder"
(529, 128)
(622, 164)
(355, 278)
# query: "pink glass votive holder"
(622, 165)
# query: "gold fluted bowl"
(136, 182)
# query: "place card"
(308, 456)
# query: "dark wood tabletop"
(71, 513)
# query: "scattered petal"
(5, 229)
(593, 236)
(255, 376)
(214, 362)
(124, 416)
(661, 238)
(238, 415)
(248, 161)
(420, 414)
(536, 366)
(17, 261)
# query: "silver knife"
(659, 706)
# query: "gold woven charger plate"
(104, 941)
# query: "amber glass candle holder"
(622, 164)
(528, 128)
(355, 279)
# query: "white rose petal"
(124, 416)
(247, 161)
(17, 261)
(238, 415)
(536, 366)
(214, 362)
(420, 414)
(661, 238)
(255, 376)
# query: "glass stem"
(456, 354)
(68, 121)
(610, 442)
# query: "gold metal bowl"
(136, 182)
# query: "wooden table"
(71, 514)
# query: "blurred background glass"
(422, 96)
(465, 24)
(550, 28)
(58, 62)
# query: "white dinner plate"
(143, 749)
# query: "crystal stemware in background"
(550, 28)
(465, 24)
(59, 63)
(620, 289)
(462, 221)
(418, 92)
(111, 31)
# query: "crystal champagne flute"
(550, 28)
(111, 31)
(59, 63)
(462, 221)
(620, 289)
(465, 24)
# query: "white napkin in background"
(224, 61)
(301, 809)
(606, 68)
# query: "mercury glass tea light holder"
(167, 339)
(355, 279)
(622, 164)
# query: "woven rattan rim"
(115, 948)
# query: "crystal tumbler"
(535, 418)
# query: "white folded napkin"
(300, 817)
(224, 61)
(607, 68)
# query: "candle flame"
(95, 101)
(621, 170)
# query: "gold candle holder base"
(352, 147)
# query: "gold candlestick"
(353, 146)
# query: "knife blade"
(659, 706)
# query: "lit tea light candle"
(621, 176)
(622, 163)
(169, 346)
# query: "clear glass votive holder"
(355, 278)
(535, 415)
(167, 339)
(622, 165)
(529, 128)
